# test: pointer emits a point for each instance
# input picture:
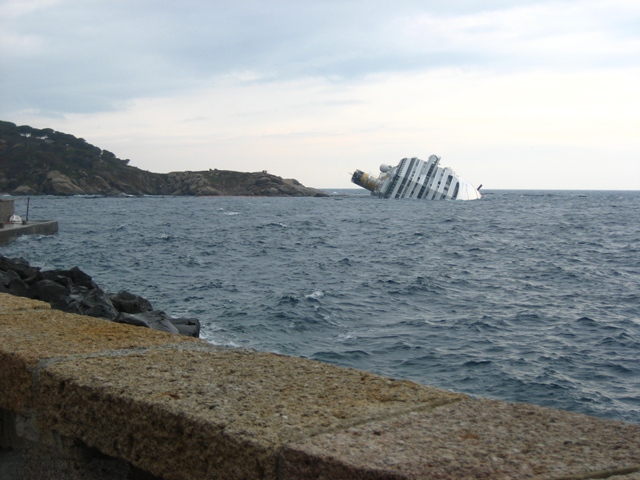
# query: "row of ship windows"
(424, 184)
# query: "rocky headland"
(74, 291)
(46, 162)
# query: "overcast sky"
(528, 94)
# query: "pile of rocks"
(74, 291)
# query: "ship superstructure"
(415, 178)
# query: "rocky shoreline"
(207, 183)
(74, 291)
(47, 162)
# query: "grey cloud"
(92, 56)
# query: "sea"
(524, 296)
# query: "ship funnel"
(364, 180)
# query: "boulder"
(127, 302)
(155, 319)
(18, 287)
(187, 326)
(74, 278)
(24, 190)
(6, 277)
(94, 303)
(59, 184)
(48, 291)
(74, 291)
(19, 266)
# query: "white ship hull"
(419, 179)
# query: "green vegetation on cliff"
(46, 162)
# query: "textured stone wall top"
(181, 408)
(32, 333)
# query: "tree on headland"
(43, 161)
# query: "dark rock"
(75, 276)
(80, 278)
(187, 326)
(48, 291)
(6, 277)
(74, 291)
(95, 303)
(18, 287)
(155, 319)
(66, 304)
(127, 302)
(101, 310)
(19, 266)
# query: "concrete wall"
(11, 231)
(83, 398)
(6, 210)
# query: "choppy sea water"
(523, 296)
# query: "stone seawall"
(84, 398)
(11, 231)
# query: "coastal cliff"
(46, 162)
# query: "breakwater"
(82, 396)
(74, 291)
(10, 231)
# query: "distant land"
(47, 162)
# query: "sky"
(530, 94)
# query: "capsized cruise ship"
(415, 178)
